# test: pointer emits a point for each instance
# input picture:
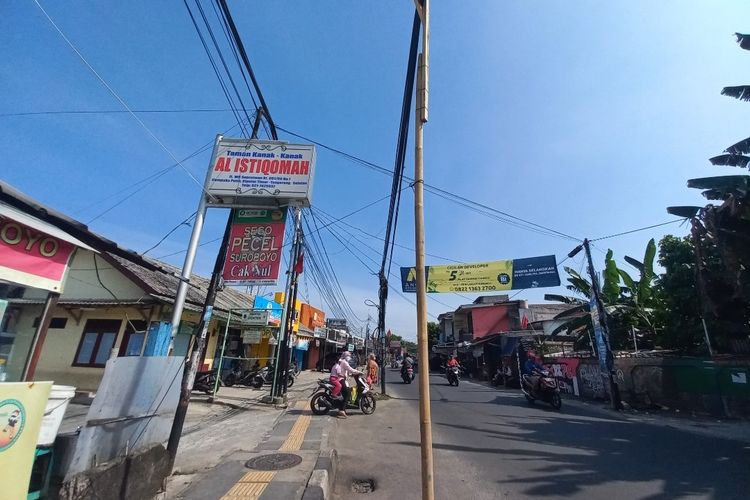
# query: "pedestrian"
(372, 370)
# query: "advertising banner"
(255, 243)
(516, 274)
(606, 361)
(21, 411)
(266, 173)
(274, 310)
(32, 258)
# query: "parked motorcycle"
(205, 382)
(546, 390)
(451, 374)
(322, 400)
(265, 376)
(239, 376)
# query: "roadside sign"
(516, 274)
(251, 173)
(252, 336)
(254, 250)
(350, 347)
(395, 344)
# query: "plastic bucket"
(59, 397)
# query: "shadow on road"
(564, 454)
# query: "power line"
(636, 230)
(460, 200)
(115, 111)
(183, 223)
(117, 96)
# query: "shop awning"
(44, 227)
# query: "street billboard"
(516, 274)
(254, 251)
(274, 310)
(250, 172)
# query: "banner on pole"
(516, 274)
(250, 172)
(253, 256)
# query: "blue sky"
(586, 117)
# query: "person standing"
(372, 370)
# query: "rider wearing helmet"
(339, 373)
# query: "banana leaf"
(565, 299)
(743, 40)
(739, 148)
(729, 160)
(611, 287)
(741, 92)
(683, 211)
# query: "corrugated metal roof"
(162, 284)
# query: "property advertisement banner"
(21, 411)
(516, 274)
(32, 258)
(274, 310)
(254, 253)
(253, 172)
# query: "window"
(99, 336)
(133, 339)
(55, 323)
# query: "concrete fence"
(710, 386)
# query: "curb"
(323, 477)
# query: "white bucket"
(59, 397)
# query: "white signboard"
(261, 173)
(257, 317)
(395, 344)
(251, 336)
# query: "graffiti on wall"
(591, 378)
(565, 371)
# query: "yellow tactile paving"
(252, 485)
(258, 476)
(245, 491)
(297, 434)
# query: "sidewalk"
(211, 460)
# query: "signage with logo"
(395, 344)
(21, 411)
(266, 173)
(516, 274)
(274, 310)
(350, 347)
(319, 333)
(32, 258)
(338, 324)
(254, 251)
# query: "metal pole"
(614, 393)
(425, 418)
(635, 340)
(221, 357)
(708, 339)
(35, 349)
(187, 266)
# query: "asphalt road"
(491, 443)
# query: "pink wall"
(487, 320)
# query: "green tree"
(676, 289)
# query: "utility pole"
(601, 330)
(425, 419)
(193, 356)
(287, 315)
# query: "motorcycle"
(407, 374)
(205, 382)
(546, 390)
(322, 401)
(451, 373)
(265, 376)
(238, 376)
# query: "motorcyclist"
(408, 363)
(339, 373)
(533, 368)
(453, 361)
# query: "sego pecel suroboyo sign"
(249, 172)
(254, 251)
